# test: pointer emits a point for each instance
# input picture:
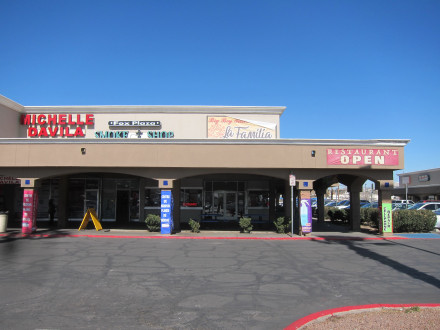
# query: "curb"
(362, 308)
(319, 238)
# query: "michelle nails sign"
(361, 157)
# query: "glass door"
(230, 205)
(225, 205)
(91, 200)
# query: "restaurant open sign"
(386, 157)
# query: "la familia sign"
(237, 128)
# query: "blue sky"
(345, 69)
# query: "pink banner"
(384, 157)
(30, 202)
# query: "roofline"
(217, 109)
(11, 104)
(318, 142)
(417, 172)
(208, 109)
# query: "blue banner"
(166, 212)
(306, 216)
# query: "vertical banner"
(305, 212)
(387, 218)
(30, 203)
(166, 212)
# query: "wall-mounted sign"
(134, 123)
(386, 157)
(235, 128)
(424, 178)
(57, 125)
(9, 180)
(134, 135)
(292, 180)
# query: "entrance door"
(122, 206)
(225, 205)
(91, 200)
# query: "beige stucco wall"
(175, 155)
(189, 153)
(184, 122)
(10, 118)
(421, 178)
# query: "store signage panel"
(385, 157)
(424, 178)
(57, 125)
(74, 126)
(134, 130)
(134, 123)
(9, 180)
(235, 128)
(133, 135)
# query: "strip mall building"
(220, 162)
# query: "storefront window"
(208, 202)
(152, 198)
(134, 205)
(108, 200)
(258, 198)
(92, 183)
(191, 197)
(76, 198)
(47, 191)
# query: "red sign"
(62, 125)
(384, 157)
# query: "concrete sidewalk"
(326, 231)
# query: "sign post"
(405, 180)
(166, 212)
(292, 182)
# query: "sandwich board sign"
(90, 214)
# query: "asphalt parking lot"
(134, 283)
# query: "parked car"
(343, 204)
(403, 201)
(373, 204)
(330, 204)
(399, 206)
(426, 205)
(362, 203)
(437, 213)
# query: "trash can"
(3, 221)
